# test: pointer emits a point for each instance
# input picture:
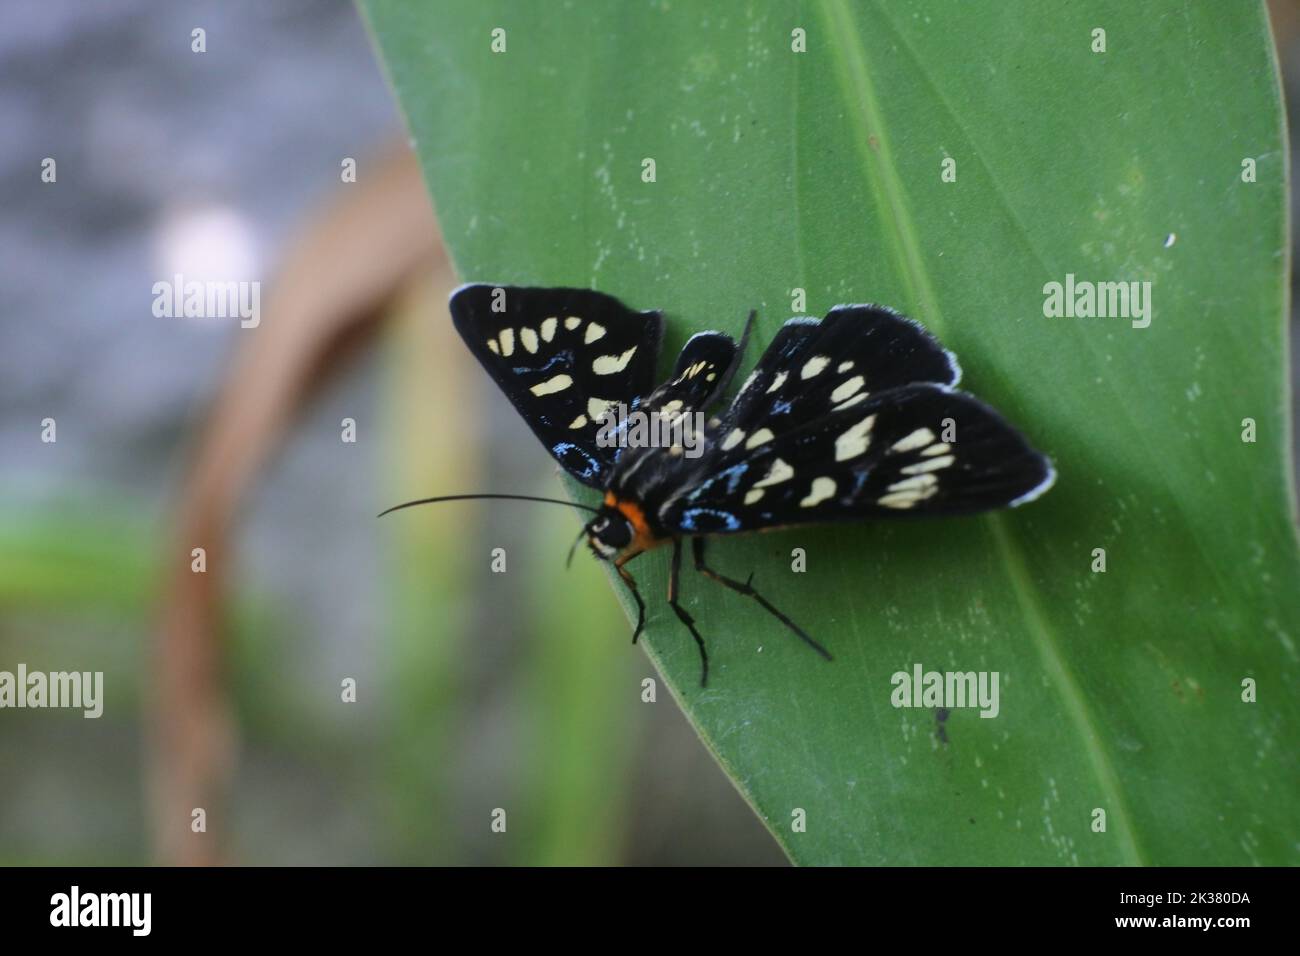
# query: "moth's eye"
(600, 525)
(618, 534)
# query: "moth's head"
(608, 534)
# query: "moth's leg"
(746, 588)
(682, 613)
(636, 595)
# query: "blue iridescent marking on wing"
(564, 451)
(563, 359)
(732, 476)
(690, 520)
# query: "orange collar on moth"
(643, 539)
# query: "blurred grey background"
(170, 161)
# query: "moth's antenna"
(744, 336)
(586, 528)
(740, 349)
(431, 501)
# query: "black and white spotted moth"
(854, 416)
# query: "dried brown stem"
(329, 297)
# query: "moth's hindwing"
(917, 450)
(812, 368)
(704, 367)
(562, 356)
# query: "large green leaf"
(775, 170)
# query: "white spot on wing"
(572, 322)
(548, 328)
(779, 472)
(814, 366)
(612, 364)
(930, 464)
(734, 438)
(753, 495)
(578, 422)
(918, 439)
(899, 499)
(529, 339)
(492, 345)
(552, 385)
(848, 389)
(917, 484)
(778, 381)
(507, 342)
(595, 331)
(822, 488)
(759, 437)
(854, 441)
(596, 407)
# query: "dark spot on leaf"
(940, 731)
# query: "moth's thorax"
(650, 475)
